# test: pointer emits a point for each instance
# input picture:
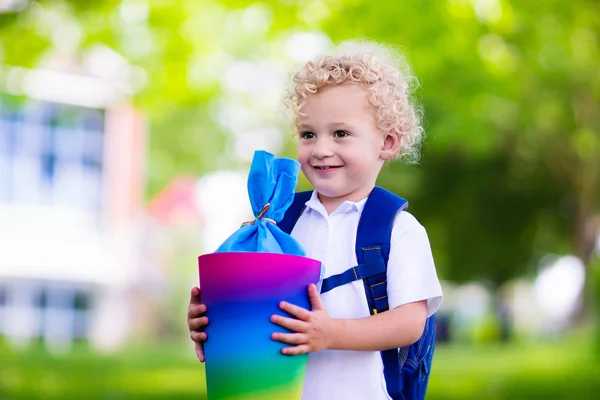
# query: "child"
(353, 112)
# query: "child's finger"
(196, 296)
(195, 311)
(296, 350)
(198, 337)
(296, 311)
(199, 348)
(292, 324)
(197, 324)
(289, 338)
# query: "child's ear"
(391, 145)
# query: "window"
(56, 313)
(51, 154)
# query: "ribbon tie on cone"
(261, 216)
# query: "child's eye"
(340, 134)
(307, 135)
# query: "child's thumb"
(315, 299)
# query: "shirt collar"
(346, 207)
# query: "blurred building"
(72, 152)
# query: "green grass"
(550, 370)
(566, 369)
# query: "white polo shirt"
(411, 276)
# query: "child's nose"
(322, 148)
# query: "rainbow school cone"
(241, 291)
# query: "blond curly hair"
(386, 74)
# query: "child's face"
(340, 147)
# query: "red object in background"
(176, 203)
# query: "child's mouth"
(325, 169)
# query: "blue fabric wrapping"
(271, 180)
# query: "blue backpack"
(406, 370)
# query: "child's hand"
(314, 329)
(197, 322)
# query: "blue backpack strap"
(373, 243)
(361, 271)
(294, 211)
(406, 370)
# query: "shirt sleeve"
(411, 274)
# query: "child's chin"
(328, 191)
